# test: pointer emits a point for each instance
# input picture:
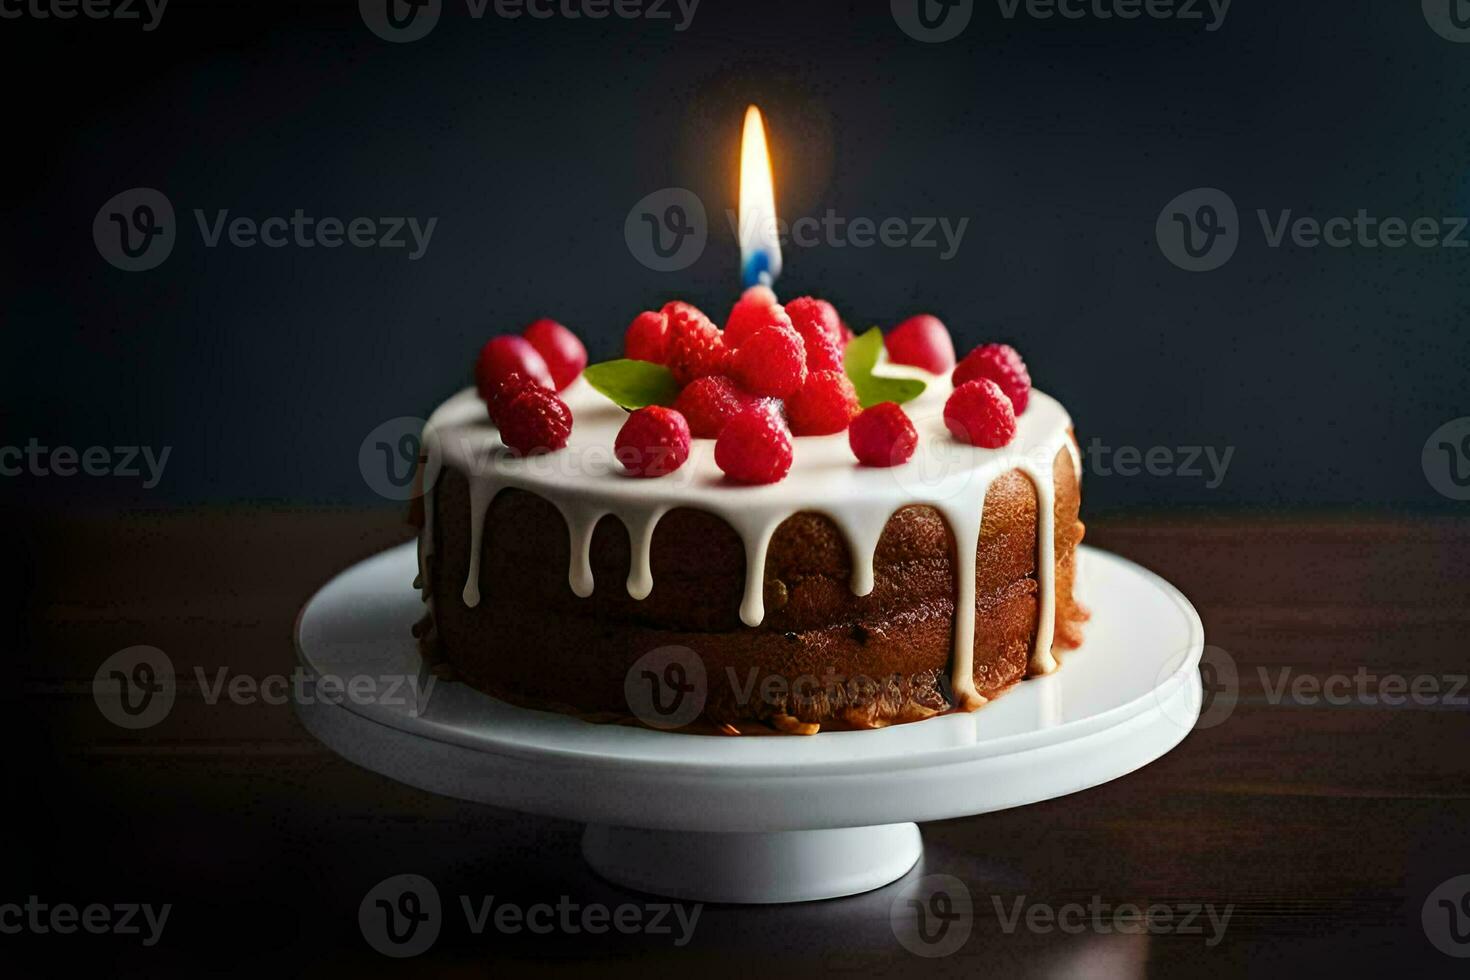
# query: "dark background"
(1059, 140)
(1325, 370)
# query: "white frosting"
(585, 483)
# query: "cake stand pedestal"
(751, 868)
(756, 819)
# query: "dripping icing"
(581, 521)
(640, 548)
(481, 493)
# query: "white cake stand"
(755, 820)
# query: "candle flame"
(760, 242)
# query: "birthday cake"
(793, 528)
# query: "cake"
(838, 596)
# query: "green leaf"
(859, 361)
(633, 384)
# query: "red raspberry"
(882, 436)
(847, 335)
(1001, 364)
(564, 354)
(503, 355)
(535, 421)
(772, 361)
(513, 385)
(921, 341)
(810, 315)
(823, 354)
(708, 403)
(822, 406)
(647, 338)
(754, 448)
(679, 306)
(696, 346)
(821, 330)
(979, 413)
(653, 442)
(756, 307)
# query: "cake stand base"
(755, 820)
(753, 868)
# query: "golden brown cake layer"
(822, 655)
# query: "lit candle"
(760, 244)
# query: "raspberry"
(502, 396)
(503, 355)
(810, 315)
(653, 442)
(708, 403)
(647, 338)
(921, 341)
(535, 421)
(772, 361)
(751, 312)
(847, 334)
(979, 413)
(821, 330)
(1001, 364)
(882, 436)
(696, 346)
(564, 354)
(754, 447)
(679, 306)
(822, 406)
(823, 354)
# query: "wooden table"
(1322, 826)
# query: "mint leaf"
(859, 361)
(633, 384)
